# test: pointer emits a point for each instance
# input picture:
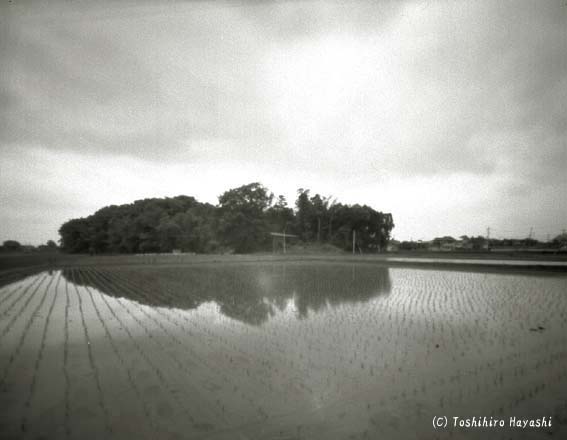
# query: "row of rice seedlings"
(500, 383)
(396, 323)
(440, 381)
(148, 417)
(400, 323)
(19, 298)
(498, 331)
(37, 363)
(183, 366)
(66, 377)
(360, 340)
(231, 351)
(92, 363)
(127, 288)
(250, 396)
(442, 330)
(154, 367)
(306, 353)
(494, 333)
(211, 338)
(13, 279)
(520, 353)
(32, 316)
(8, 281)
(10, 292)
(457, 395)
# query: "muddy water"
(280, 351)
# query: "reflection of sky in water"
(323, 338)
(249, 293)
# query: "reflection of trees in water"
(246, 292)
(18, 275)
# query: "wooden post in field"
(281, 236)
(353, 240)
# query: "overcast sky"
(451, 115)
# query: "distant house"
(443, 244)
(463, 245)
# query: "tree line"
(241, 222)
(480, 242)
(13, 246)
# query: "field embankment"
(486, 261)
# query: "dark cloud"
(76, 85)
(357, 92)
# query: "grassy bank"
(467, 261)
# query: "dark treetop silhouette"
(241, 222)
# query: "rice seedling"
(273, 350)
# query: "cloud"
(417, 99)
(433, 105)
(135, 85)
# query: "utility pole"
(531, 232)
(488, 238)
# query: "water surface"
(278, 350)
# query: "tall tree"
(279, 216)
(75, 235)
(304, 215)
(169, 234)
(242, 223)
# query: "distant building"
(463, 245)
(443, 244)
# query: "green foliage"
(241, 223)
(372, 228)
(560, 241)
(279, 216)
(478, 243)
(304, 215)
(149, 225)
(242, 217)
(11, 246)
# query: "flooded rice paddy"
(279, 351)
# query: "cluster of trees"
(479, 243)
(557, 242)
(323, 219)
(9, 246)
(240, 222)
